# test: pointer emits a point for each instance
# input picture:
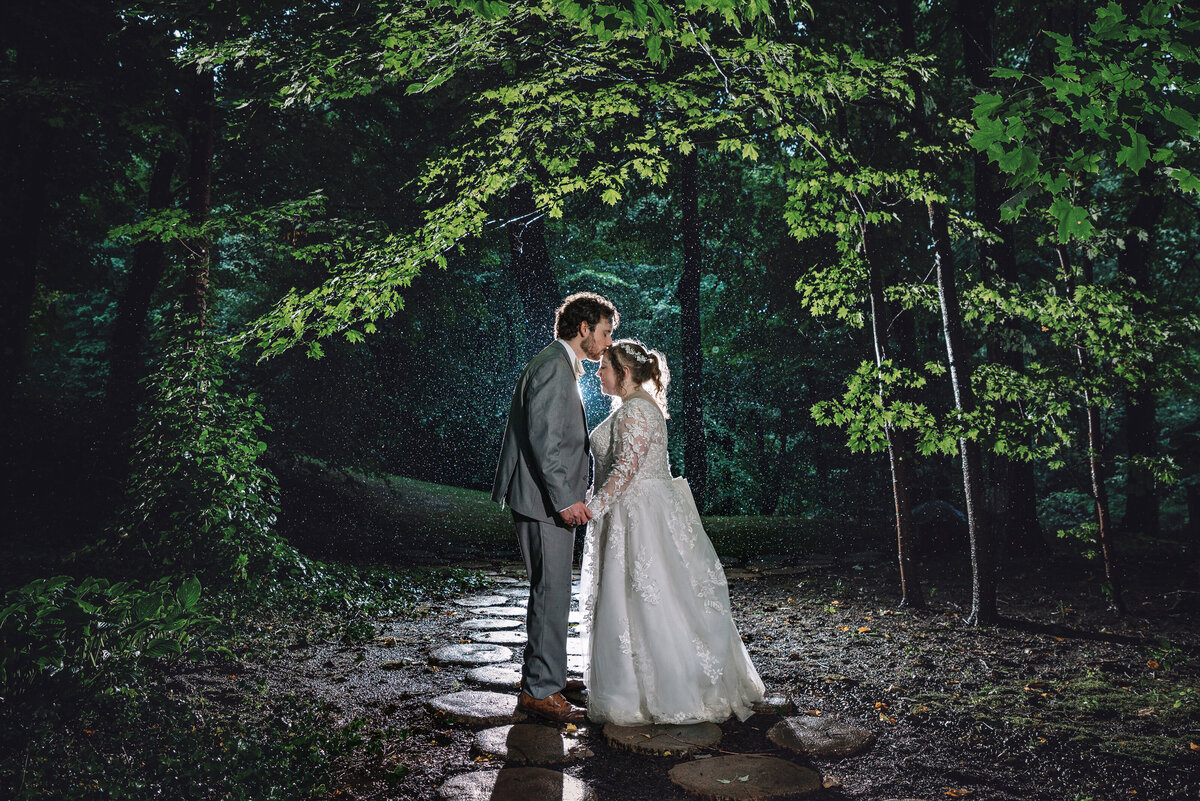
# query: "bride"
(660, 643)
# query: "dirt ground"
(1062, 701)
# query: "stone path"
(494, 624)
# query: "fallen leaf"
(881, 705)
(861, 629)
(960, 792)
(725, 781)
(1194, 747)
(571, 727)
(1142, 713)
(745, 778)
(1153, 664)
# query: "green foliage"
(198, 500)
(61, 638)
(1123, 96)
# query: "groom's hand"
(576, 515)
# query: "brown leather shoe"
(574, 686)
(554, 708)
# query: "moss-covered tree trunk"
(201, 145)
(133, 305)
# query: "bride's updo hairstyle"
(647, 368)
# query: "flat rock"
(744, 778)
(575, 617)
(515, 591)
(821, 737)
(574, 664)
(574, 646)
(502, 611)
(471, 653)
(477, 708)
(530, 744)
(501, 637)
(516, 784)
(482, 600)
(490, 623)
(663, 740)
(774, 705)
(505, 676)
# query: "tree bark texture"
(898, 449)
(983, 582)
(202, 144)
(529, 268)
(695, 448)
(1014, 489)
(1141, 406)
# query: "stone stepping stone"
(516, 784)
(502, 611)
(575, 646)
(506, 676)
(663, 740)
(471, 653)
(575, 664)
(491, 623)
(821, 737)
(500, 578)
(477, 708)
(502, 637)
(516, 592)
(774, 705)
(482, 600)
(575, 617)
(530, 744)
(744, 778)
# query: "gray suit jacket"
(545, 458)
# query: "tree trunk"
(899, 452)
(1141, 427)
(1014, 489)
(695, 449)
(1095, 435)
(202, 143)
(149, 262)
(529, 268)
(983, 583)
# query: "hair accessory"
(629, 351)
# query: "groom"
(543, 477)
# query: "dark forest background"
(924, 270)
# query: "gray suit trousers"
(548, 550)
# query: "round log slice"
(663, 740)
(471, 653)
(744, 778)
(477, 708)
(516, 784)
(821, 737)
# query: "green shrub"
(60, 638)
(198, 500)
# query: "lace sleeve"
(632, 435)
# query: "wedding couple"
(660, 642)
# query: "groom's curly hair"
(580, 308)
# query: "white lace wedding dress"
(660, 643)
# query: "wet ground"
(1064, 700)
